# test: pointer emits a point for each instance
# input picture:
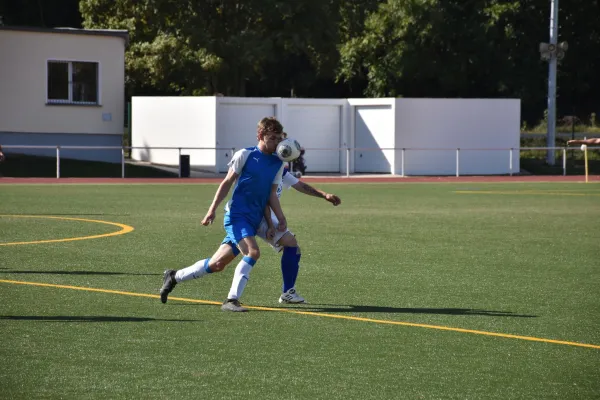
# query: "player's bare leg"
(223, 256)
(249, 248)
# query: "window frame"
(70, 101)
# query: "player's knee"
(221, 258)
(254, 253)
(288, 240)
(292, 242)
(217, 265)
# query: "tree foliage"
(208, 46)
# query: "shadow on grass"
(78, 273)
(65, 318)
(341, 308)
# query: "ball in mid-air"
(583, 147)
(288, 150)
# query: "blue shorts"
(236, 231)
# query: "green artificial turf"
(405, 283)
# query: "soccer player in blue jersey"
(256, 172)
(285, 241)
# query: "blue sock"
(290, 265)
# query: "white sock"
(240, 277)
(195, 271)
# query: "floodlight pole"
(551, 137)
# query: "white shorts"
(262, 233)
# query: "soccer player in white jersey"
(285, 241)
(256, 172)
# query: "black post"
(573, 127)
(184, 165)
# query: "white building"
(62, 87)
(384, 135)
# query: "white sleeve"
(277, 179)
(289, 180)
(239, 160)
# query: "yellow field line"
(535, 192)
(124, 229)
(316, 314)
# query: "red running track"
(315, 179)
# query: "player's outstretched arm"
(276, 206)
(584, 141)
(222, 192)
(305, 188)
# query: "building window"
(72, 82)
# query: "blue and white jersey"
(257, 172)
(287, 181)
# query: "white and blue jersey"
(287, 181)
(257, 172)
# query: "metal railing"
(348, 150)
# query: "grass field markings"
(526, 192)
(578, 190)
(315, 314)
(124, 229)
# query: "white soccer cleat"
(291, 297)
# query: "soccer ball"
(288, 150)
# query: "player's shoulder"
(243, 153)
(239, 159)
(246, 150)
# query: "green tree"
(208, 46)
(578, 77)
(432, 48)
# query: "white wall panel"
(457, 123)
(374, 131)
(237, 123)
(424, 127)
(316, 126)
(174, 122)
